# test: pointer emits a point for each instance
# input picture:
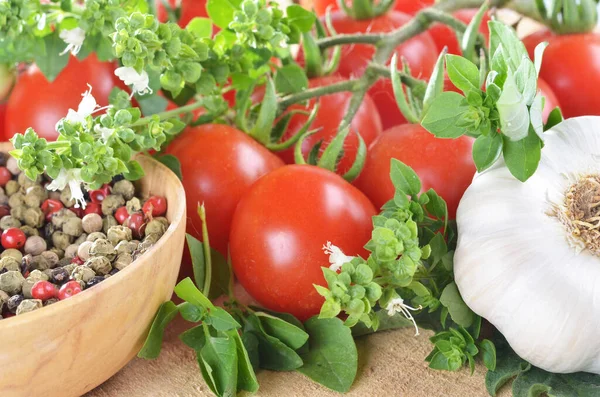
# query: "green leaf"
(220, 275)
(463, 73)
(221, 11)
(152, 346)
(513, 49)
(332, 359)
(200, 27)
(436, 206)
(444, 115)
(187, 291)
(508, 365)
(536, 382)
(191, 313)
(290, 79)
(134, 171)
(522, 157)
(404, 178)
(488, 352)
(220, 355)
(554, 118)
(386, 323)
(486, 150)
(152, 104)
(513, 112)
(301, 18)
(50, 62)
(221, 320)
(196, 248)
(289, 334)
(459, 311)
(246, 378)
(172, 163)
(194, 337)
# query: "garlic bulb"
(528, 255)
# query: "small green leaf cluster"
(101, 147)
(20, 36)
(506, 118)
(457, 346)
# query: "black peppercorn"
(93, 281)
(25, 262)
(117, 178)
(14, 302)
(3, 270)
(59, 276)
(113, 272)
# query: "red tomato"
(3, 137)
(406, 6)
(446, 37)
(219, 164)
(331, 112)
(189, 10)
(37, 103)
(280, 227)
(420, 53)
(571, 67)
(444, 165)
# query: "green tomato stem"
(342, 86)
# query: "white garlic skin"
(515, 264)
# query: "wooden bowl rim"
(55, 309)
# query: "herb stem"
(169, 113)
(207, 253)
(342, 86)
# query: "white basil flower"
(336, 257)
(397, 305)
(71, 177)
(74, 39)
(139, 82)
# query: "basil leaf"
(250, 342)
(194, 337)
(535, 382)
(246, 378)
(444, 115)
(284, 316)
(219, 284)
(462, 72)
(508, 365)
(513, 112)
(404, 178)
(50, 62)
(386, 323)
(220, 355)
(536, 115)
(436, 206)
(200, 27)
(290, 79)
(152, 104)
(196, 248)
(505, 37)
(221, 11)
(191, 313)
(288, 333)
(332, 359)
(554, 118)
(187, 291)
(526, 80)
(153, 345)
(488, 351)
(522, 157)
(301, 18)
(459, 311)
(221, 320)
(486, 150)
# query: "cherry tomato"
(155, 206)
(420, 52)
(98, 195)
(407, 6)
(3, 137)
(50, 206)
(444, 36)
(444, 165)
(69, 289)
(121, 215)
(43, 290)
(13, 238)
(37, 103)
(93, 208)
(219, 164)
(571, 67)
(189, 10)
(137, 224)
(280, 227)
(5, 176)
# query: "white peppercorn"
(95, 236)
(33, 278)
(102, 247)
(35, 245)
(92, 223)
(84, 250)
(11, 282)
(99, 264)
(3, 199)
(29, 231)
(119, 233)
(11, 188)
(73, 227)
(13, 253)
(8, 222)
(13, 166)
(61, 240)
(122, 261)
(111, 203)
(71, 251)
(9, 263)
(29, 305)
(83, 273)
(134, 205)
(108, 222)
(125, 188)
(52, 258)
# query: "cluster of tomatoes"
(273, 217)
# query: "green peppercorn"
(25, 182)
(4, 297)
(3, 199)
(52, 258)
(33, 278)
(60, 217)
(73, 227)
(65, 197)
(99, 264)
(50, 301)
(155, 227)
(83, 273)
(134, 205)
(35, 245)
(123, 260)
(61, 240)
(70, 267)
(127, 247)
(102, 247)
(11, 187)
(13, 253)
(125, 188)
(162, 220)
(108, 222)
(59, 253)
(9, 263)
(18, 212)
(29, 305)
(117, 234)
(11, 282)
(29, 231)
(8, 222)
(96, 236)
(111, 203)
(71, 251)
(34, 217)
(16, 200)
(35, 195)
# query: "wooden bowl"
(69, 348)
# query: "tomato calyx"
(318, 62)
(366, 9)
(569, 16)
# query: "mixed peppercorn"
(52, 250)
